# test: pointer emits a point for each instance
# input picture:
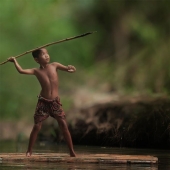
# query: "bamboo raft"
(81, 158)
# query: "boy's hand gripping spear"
(46, 45)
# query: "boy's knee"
(63, 125)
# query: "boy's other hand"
(71, 69)
(11, 59)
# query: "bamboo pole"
(46, 45)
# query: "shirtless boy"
(48, 101)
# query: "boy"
(48, 101)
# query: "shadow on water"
(11, 146)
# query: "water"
(11, 146)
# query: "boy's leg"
(63, 126)
(33, 137)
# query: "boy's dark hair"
(36, 53)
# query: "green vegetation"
(129, 52)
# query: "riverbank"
(142, 122)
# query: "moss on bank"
(125, 124)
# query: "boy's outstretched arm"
(68, 68)
(19, 68)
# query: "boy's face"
(44, 57)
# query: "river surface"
(12, 146)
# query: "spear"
(52, 43)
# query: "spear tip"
(92, 32)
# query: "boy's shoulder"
(54, 64)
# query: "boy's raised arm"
(19, 68)
(68, 68)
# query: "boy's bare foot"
(72, 154)
(28, 154)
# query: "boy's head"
(41, 56)
(36, 53)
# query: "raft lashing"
(81, 158)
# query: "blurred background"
(127, 59)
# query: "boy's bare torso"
(48, 79)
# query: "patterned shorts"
(46, 108)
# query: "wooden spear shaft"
(52, 43)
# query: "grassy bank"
(140, 123)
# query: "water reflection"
(53, 166)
